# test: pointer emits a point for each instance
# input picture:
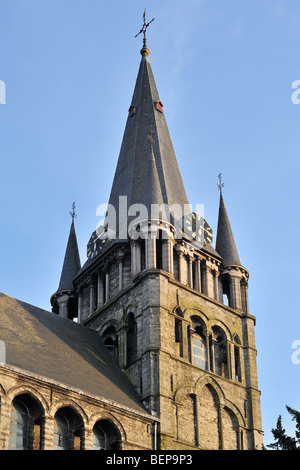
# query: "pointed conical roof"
(71, 265)
(146, 121)
(225, 244)
(152, 188)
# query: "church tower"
(171, 309)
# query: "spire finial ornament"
(73, 213)
(220, 184)
(144, 50)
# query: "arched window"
(131, 339)
(175, 264)
(106, 436)
(61, 432)
(209, 418)
(230, 428)
(225, 279)
(197, 343)
(143, 253)
(98, 438)
(187, 423)
(26, 424)
(237, 359)
(19, 434)
(159, 257)
(218, 352)
(178, 331)
(68, 429)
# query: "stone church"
(150, 344)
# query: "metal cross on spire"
(220, 185)
(143, 30)
(73, 213)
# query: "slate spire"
(152, 188)
(71, 264)
(146, 116)
(63, 301)
(225, 244)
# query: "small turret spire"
(225, 244)
(144, 50)
(71, 267)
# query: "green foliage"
(282, 440)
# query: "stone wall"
(198, 408)
(226, 406)
(133, 430)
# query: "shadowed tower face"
(174, 314)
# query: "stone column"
(212, 355)
(166, 255)
(48, 433)
(151, 251)
(5, 422)
(190, 271)
(208, 352)
(171, 243)
(100, 296)
(220, 288)
(204, 277)
(107, 285)
(133, 245)
(180, 262)
(229, 359)
(244, 296)
(62, 302)
(88, 439)
(120, 261)
(92, 297)
(210, 282)
(197, 285)
(216, 285)
(235, 292)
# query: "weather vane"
(220, 185)
(144, 29)
(73, 213)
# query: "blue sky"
(224, 71)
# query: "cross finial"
(73, 213)
(220, 185)
(143, 30)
